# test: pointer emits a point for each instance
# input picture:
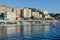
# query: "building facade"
(18, 13)
(35, 14)
(11, 14)
(3, 10)
(26, 13)
(46, 14)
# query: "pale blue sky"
(49, 5)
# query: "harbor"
(28, 24)
(30, 31)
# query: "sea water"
(30, 31)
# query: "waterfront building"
(40, 14)
(11, 15)
(22, 13)
(18, 13)
(3, 10)
(35, 14)
(32, 10)
(46, 14)
(7, 13)
(26, 13)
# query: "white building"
(11, 16)
(46, 14)
(26, 13)
(35, 14)
(40, 15)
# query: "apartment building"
(11, 14)
(40, 13)
(3, 10)
(35, 14)
(7, 13)
(26, 13)
(18, 13)
(46, 14)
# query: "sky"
(52, 6)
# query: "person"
(51, 24)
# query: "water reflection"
(29, 31)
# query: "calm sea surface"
(30, 31)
